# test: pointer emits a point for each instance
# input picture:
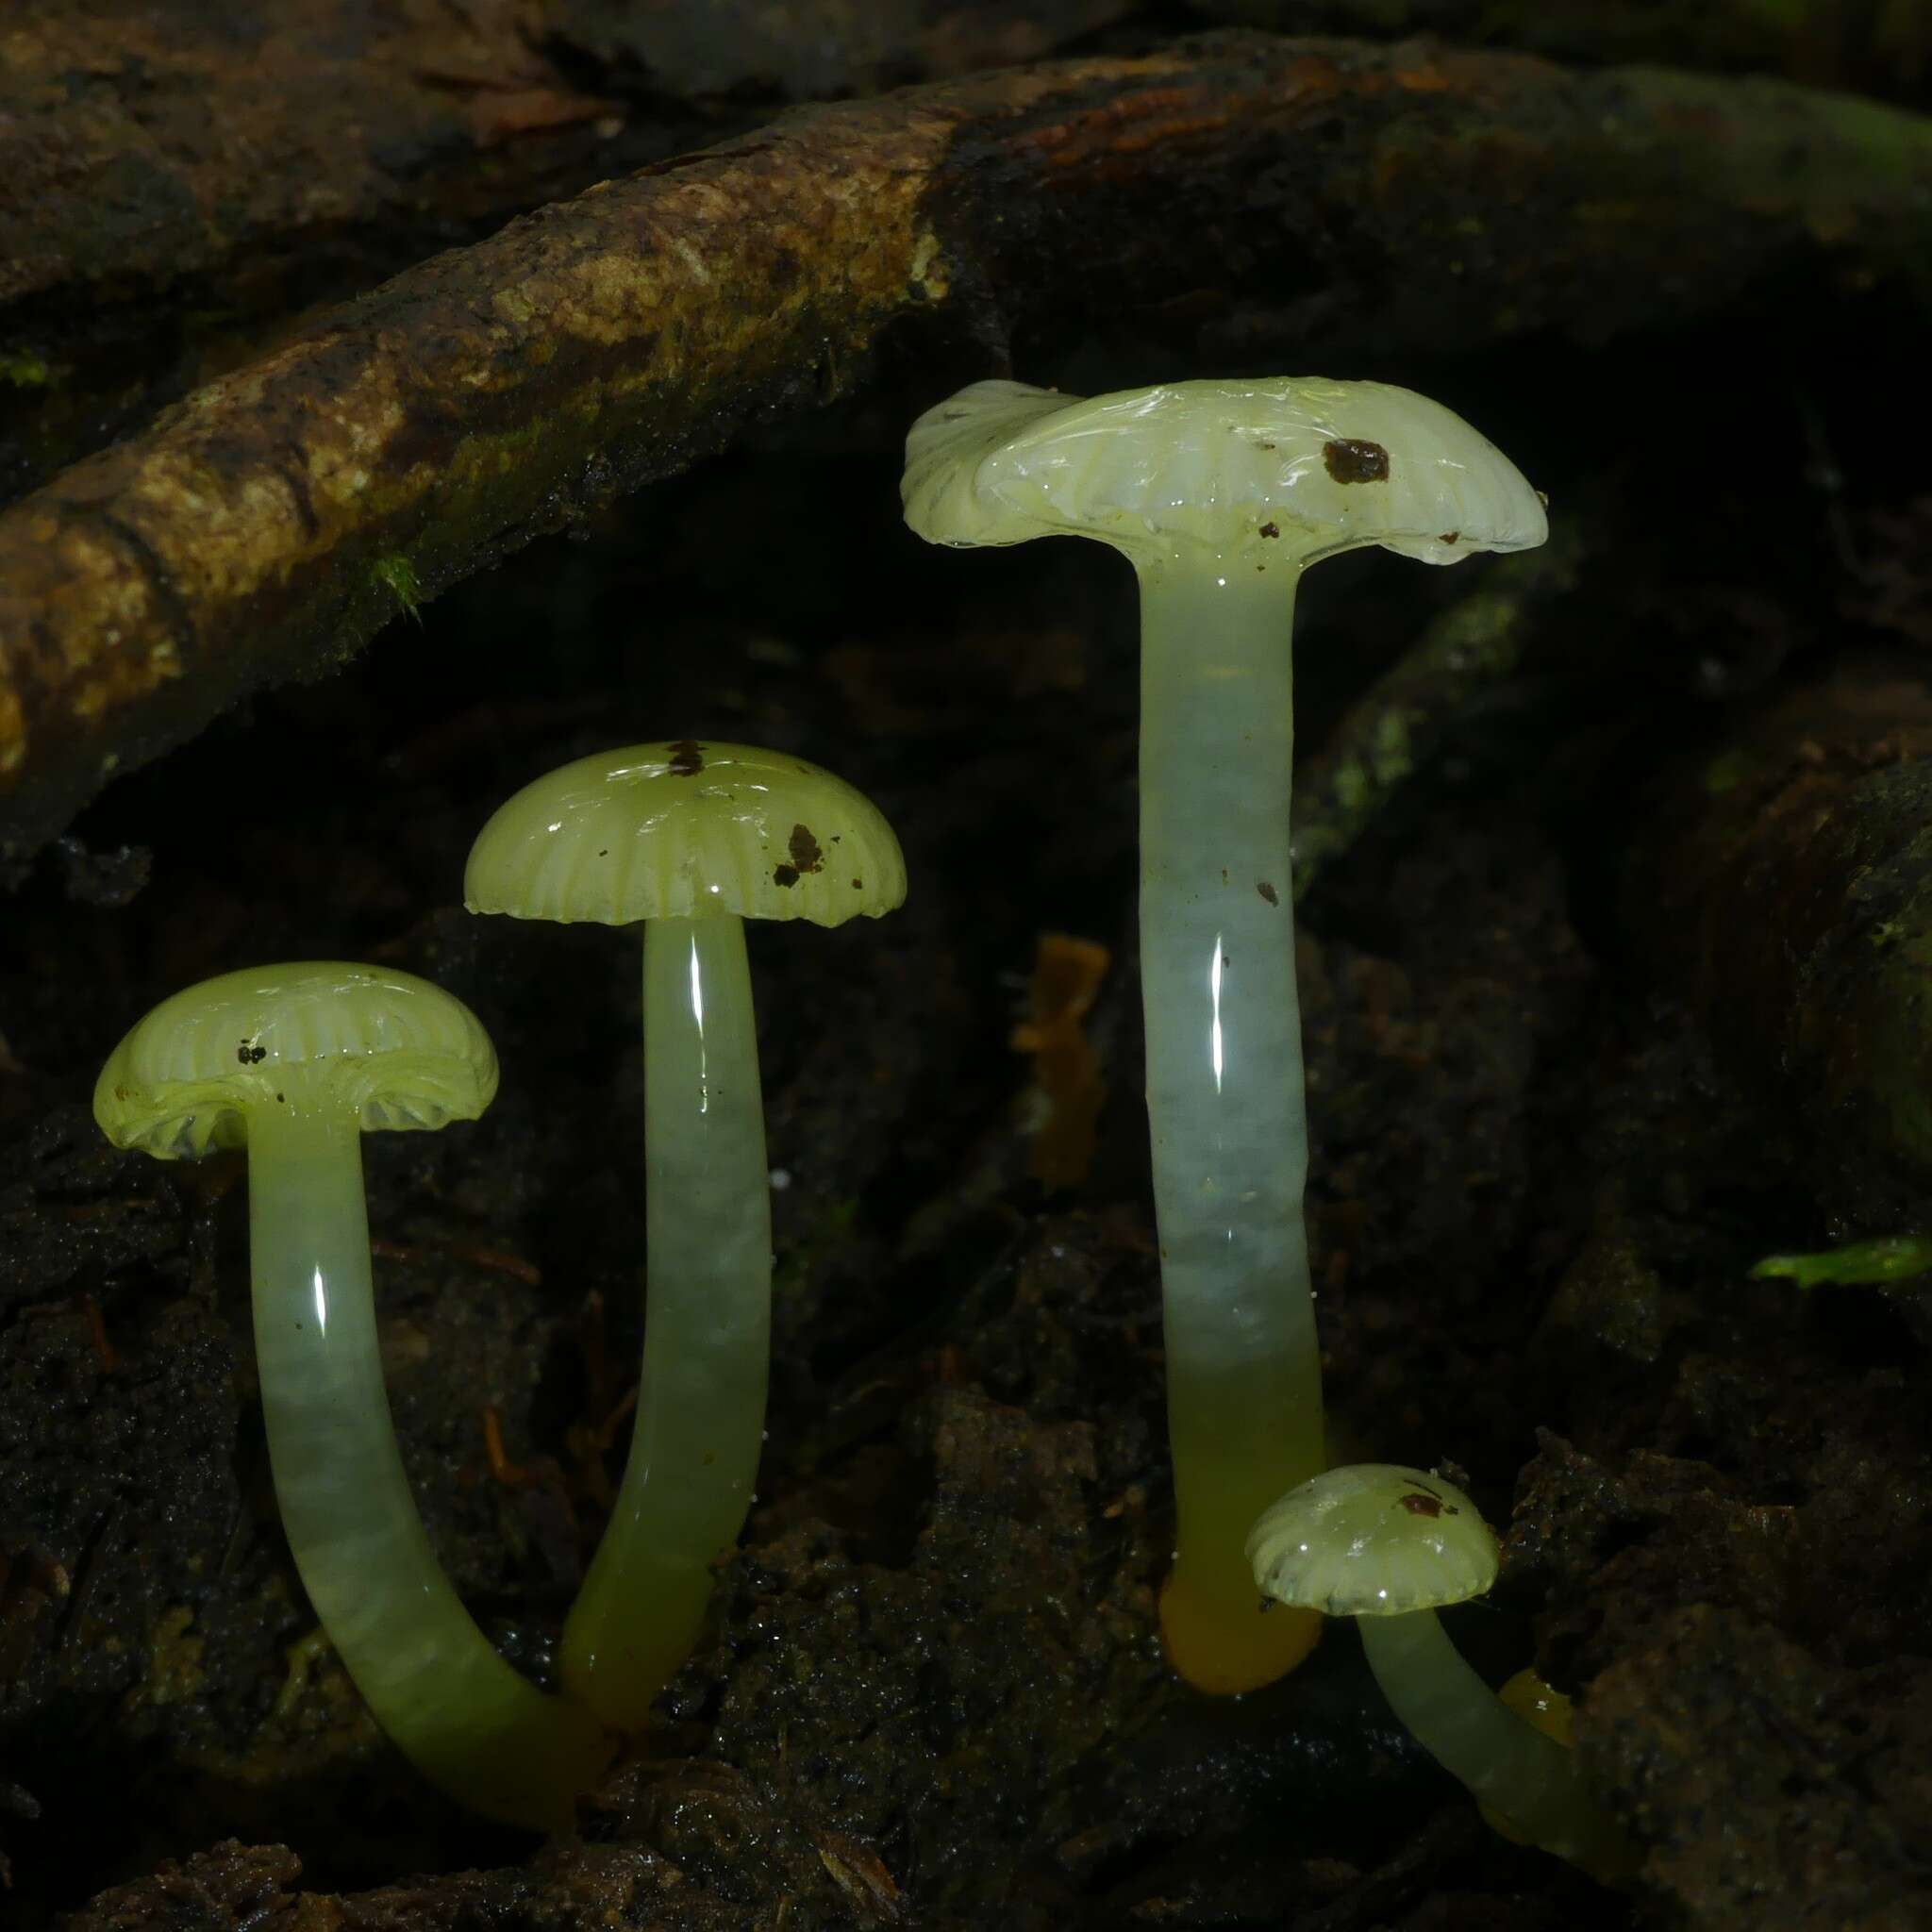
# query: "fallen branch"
(270, 523)
(143, 154)
(168, 144)
(175, 180)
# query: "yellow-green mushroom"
(692, 839)
(1220, 494)
(296, 1063)
(1389, 1547)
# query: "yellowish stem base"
(1224, 1650)
(634, 1623)
(1548, 1711)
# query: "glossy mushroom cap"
(683, 830)
(1290, 467)
(1372, 1540)
(392, 1049)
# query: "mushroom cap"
(1288, 467)
(392, 1050)
(1372, 1540)
(685, 830)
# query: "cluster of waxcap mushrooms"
(1220, 494)
(295, 1062)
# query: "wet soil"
(932, 1693)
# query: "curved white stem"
(1224, 1092)
(461, 1715)
(701, 1400)
(1530, 1779)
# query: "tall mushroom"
(1389, 1547)
(296, 1063)
(692, 839)
(1221, 494)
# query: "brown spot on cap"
(1268, 891)
(1271, 528)
(785, 875)
(1353, 461)
(806, 854)
(250, 1056)
(1419, 1504)
(1450, 536)
(686, 758)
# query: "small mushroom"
(1221, 494)
(692, 839)
(296, 1063)
(1389, 1547)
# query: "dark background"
(1563, 1096)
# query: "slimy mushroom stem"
(295, 1062)
(690, 839)
(707, 1328)
(1221, 494)
(1225, 1110)
(1513, 1768)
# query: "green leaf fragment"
(1890, 1257)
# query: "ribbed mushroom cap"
(682, 831)
(1372, 1540)
(389, 1048)
(1288, 467)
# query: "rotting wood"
(176, 181)
(1400, 197)
(166, 144)
(150, 149)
